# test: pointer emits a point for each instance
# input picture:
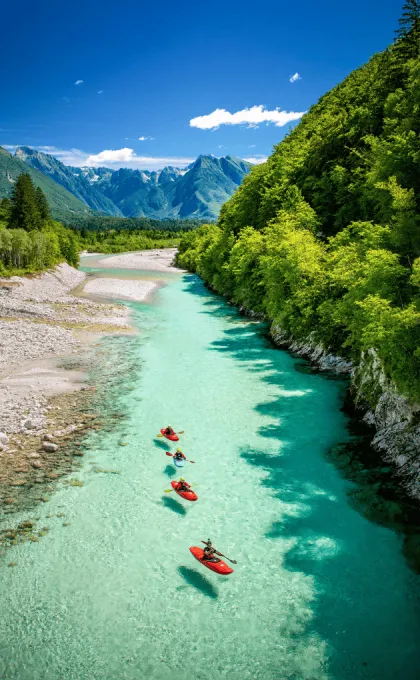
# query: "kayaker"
(210, 552)
(183, 485)
(169, 431)
(179, 455)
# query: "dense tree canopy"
(105, 223)
(24, 212)
(324, 237)
(31, 241)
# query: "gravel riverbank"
(41, 324)
(47, 345)
(120, 289)
(158, 260)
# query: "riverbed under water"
(319, 590)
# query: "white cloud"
(295, 77)
(100, 91)
(250, 117)
(252, 146)
(256, 160)
(220, 146)
(79, 82)
(127, 158)
(145, 139)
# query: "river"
(319, 590)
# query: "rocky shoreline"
(394, 421)
(49, 343)
(46, 349)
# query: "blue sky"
(148, 69)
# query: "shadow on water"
(374, 492)
(195, 579)
(314, 521)
(174, 505)
(169, 471)
(161, 444)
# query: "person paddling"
(183, 485)
(169, 431)
(178, 455)
(210, 552)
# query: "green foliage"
(24, 212)
(105, 223)
(27, 251)
(324, 237)
(42, 204)
(5, 207)
(123, 241)
(29, 239)
(409, 30)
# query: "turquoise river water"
(320, 590)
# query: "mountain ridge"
(197, 191)
(79, 186)
(62, 202)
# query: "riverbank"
(160, 260)
(48, 343)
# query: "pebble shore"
(41, 324)
(49, 341)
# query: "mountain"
(208, 184)
(197, 191)
(62, 202)
(76, 182)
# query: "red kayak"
(188, 495)
(219, 567)
(172, 437)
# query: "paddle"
(168, 453)
(221, 554)
(162, 435)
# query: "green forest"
(324, 238)
(119, 234)
(31, 241)
(104, 223)
(120, 241)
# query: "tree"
(24, 212)
(84, 232)
(42, 204)
(408, 33)
(5, 206)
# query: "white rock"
(28, 425)
(49, 446)
(48, 438)
(4, 439)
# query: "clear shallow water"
(318, 591)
